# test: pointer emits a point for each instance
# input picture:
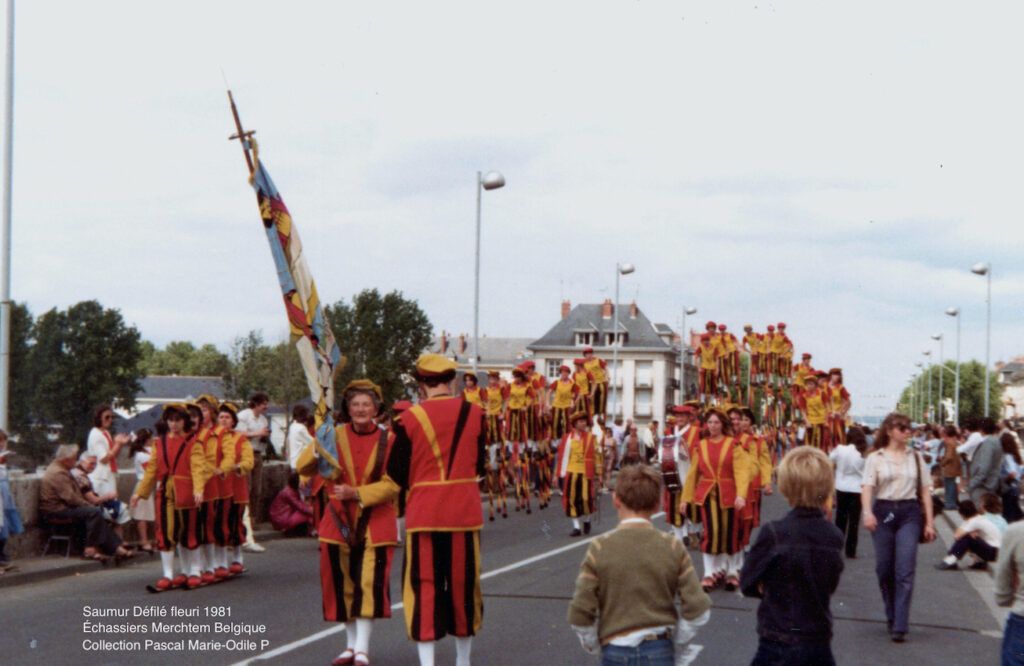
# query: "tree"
(381, 337)
(19, 414)
(182, 358)
(972, 391)
(82, 357)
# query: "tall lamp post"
(917, 391)
(685, 349)
(985, 269)
(620, 269)
(492, 181)
(955, 312)
(942, 367)
(929, 414)
(5, 234)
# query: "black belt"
(663, 636)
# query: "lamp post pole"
(985, 269)
(620, 269)
(5, 243)
(929, 413)
(955, 312)
(942, 366)
(492, 181)
(685, 352)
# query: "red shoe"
(731, 583)
(179, 581)
(345, 658)
(220, 573)
(236, 568)
(194, 582)
(163, 585)
(208, 578)
(707, 584)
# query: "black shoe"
(575, 533)
(943, 566)
(979, 566)
(586, 527)
(899, 636)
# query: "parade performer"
(439, 455)
(802, 371)
(769, 360)
(496, 392)
(579, 459)
(359, 531)
(717, 481)
(542, 462)
(598, 369)
(177, 471)
(785, 354)
(759, 455)
(730, 356)
(238, 480)
(708, 374)
(495, 480)
(812, 403)
(213, 513)
(585, 383)
(674, 461)
(517, 409)
(471, 391)
(838, 406)
(778, 351)
(564, 392)
(751, 343)
(538, 401)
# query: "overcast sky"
(838, 167)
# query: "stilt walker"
(839, 406)
(785, 355)
(518, 417)
(770, 360)
(584, 382)
(564, 392)
(812, 404)
(579, 458)
(708, 374)
(496, 393)
(598, 369)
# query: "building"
(162, 389)
(648, 355)
(1011, 377)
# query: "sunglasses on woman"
(903, 427)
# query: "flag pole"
(242, 135)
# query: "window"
(614, 377)
(643, 402)
(621, 339)
(551, 368)
(585, 338)
(644, 373)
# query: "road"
(529, 568)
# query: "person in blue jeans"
(1009, 592)
(896, 499)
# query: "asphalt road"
(529, 568)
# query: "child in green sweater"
(624, 605)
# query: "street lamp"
(942, 366)
(620, 269)
(917, 392)
(985, 268)
(955, 312)
(928, 402)
(684, 338)
(492, 181)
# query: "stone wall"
(266, 482)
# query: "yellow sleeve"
(245, 463)
(227, 447)
(741, 469)
(307, 462)
(201, 470)
(145, 486)
(690, 485)
(766, 464)
(378, 492)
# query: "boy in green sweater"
(624, 605)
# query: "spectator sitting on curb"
(114, 510)
(60, 498)
(288, 512)
(979, 535)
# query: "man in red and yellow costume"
(495, 395)
(768, 361)
(598, 369)
(812, 401)
(563, 396)
(539, 401)
(751, 343)
(785, 354)
(585, 381)
(439, 455)
(471, 391)
(708, 374)
(579, 459)
(802, 371)
(778, 351)
(838, 406)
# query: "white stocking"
(462, 648)
(364, 628)
(221, 556)
(735, 563)
(576, 523)
(721, 563)
(247, 521)
(351, 630)
(208, 563)
(167, 561)
(194, 560)
(426, 652)
(709, 564)
(236, 555)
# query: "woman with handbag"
(897, 510)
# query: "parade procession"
(632, 334)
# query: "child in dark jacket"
(794, 567)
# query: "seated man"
(113, 509)
(978, 535)
(59, 497)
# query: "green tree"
(82, 356)
(972, 391)
(182, 358)
(19, 414)
(250, 366)
(381, 336)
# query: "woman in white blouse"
(848, 460)
(896, 499)
(105, 447)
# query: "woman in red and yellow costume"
(494, 400)
(563, 396)
(838, 406)
(237, 479)
(216, 493)
(812, 401)
(717, 481)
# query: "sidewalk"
(36, 569)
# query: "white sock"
(236, 555)
(576, 523)
(221, 556)
(351, 631)
(949, 559)
(721, 563)
(426, 652)
(735, 563)
(167, 561)
(364, 628)
(709, 564)
(193, 559)
(462, 649)
(247, 521)
(208, 561)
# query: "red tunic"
(714, 466)
(357, 454)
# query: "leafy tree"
(972, 391)
(381, 336)
(19, 414)
(182, 358)
(82, 356)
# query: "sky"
(835, 166)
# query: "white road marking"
(320, 635)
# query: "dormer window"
(621, 339)
(585, 338)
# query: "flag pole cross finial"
(242, 135)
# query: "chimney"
(633, 310)
(444, 342)
(462, 343)
(606, 309)
(566, 307)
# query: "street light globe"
(691, 310)
(493, 180)
(981, 268)
(937, 336)
(953, 312)
(919, 364)
(927, 352)
(626, 269)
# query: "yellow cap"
(581, 414)
(210, 400)
(228, 406)
(363, 385)
(429, 365)
(175, 407)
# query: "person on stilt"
(579, 459)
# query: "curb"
(75, 566)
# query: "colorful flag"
(319, 354)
